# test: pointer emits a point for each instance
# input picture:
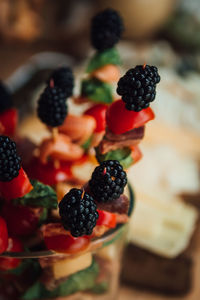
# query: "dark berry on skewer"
(78, 212)
(106, 29)
(64, 79)
(138, 87)
(10, 162)
(108, 181)
(52, 107)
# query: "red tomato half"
(106, 218)
(58, 239)
(21, 220)
(17, 187)
(120, 120)
(14, 245)
(9, 119)
(47, 173)
(66, 243)
(98, 112)
(3, 235)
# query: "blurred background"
(162, 258)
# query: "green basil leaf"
(40, 196)
(122, 155)
(97, 90)
(80, 281)
(100, 59)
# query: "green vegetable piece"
(122, 155)
(100, 59)
(40, 196)
(97, 90)
(43, 217)
(80, 281)
(87, 144)
(101, 288)
(36, 291)
(31, 264)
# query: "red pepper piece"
(3, 235)
(120, 120)
(17, 187)
(47, 173)
(106, 218)
(98, 112)
(21, 220)
(8, 120)
(14, 245)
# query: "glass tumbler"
(91, 274)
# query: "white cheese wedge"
(66, 267)
(163, 226)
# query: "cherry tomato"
(58, 239)
(106, 218)
(17, 187)
(21, 220)
(14, 245)
(136, 154)
(98, 112)
(120, 120)
(9, 120)
(3, 235)
(67, 243)
(47, 173)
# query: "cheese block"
(161, 224)
(183, 140)
(82, 172)
(66, 267)
(108, 252)
(164, 167)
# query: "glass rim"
(95, 244)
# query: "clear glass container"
(92, 274)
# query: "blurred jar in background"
(142, 17)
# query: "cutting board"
(129, 293)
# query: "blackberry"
(5, 98)
(138, 87)
(64, 79)
(108, 181)
(52, 107)
(10, 162)
(106, 29)
(150, 71)
(78, 212)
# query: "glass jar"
(92, 274)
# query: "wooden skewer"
(83, 193)
(54, 136)
(54, 133)
(144, 66)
